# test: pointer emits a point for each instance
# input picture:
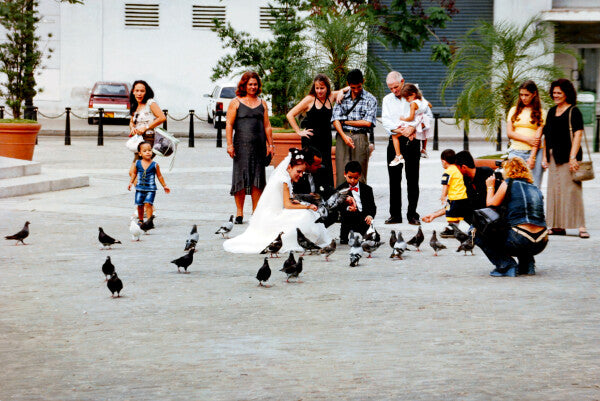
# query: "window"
(203, 16)
(266, 16)
(228, 92)
(141, 15)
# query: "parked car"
(219, 99)
(113, 97)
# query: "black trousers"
(354, 221)
(411, 151)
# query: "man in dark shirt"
(313, 181)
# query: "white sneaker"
(424, 154)
(397, 160)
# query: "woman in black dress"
(251, 148)
(316, 132)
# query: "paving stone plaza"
(424, 328)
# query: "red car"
(113, 97)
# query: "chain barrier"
(79, 117)
(199, 118)
(177, 119)
(51, 117)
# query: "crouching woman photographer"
(527, 234)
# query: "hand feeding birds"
(185, 261)
(435, 244)
(105, 239)
(226, 228)
(274, 247)
(192, 240)
(21, 235)
(134, 229)
(264, 273)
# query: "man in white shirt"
(392, 108)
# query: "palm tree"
(491, 64)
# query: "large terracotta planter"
(17, 140)
(491, 163)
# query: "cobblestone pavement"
(425, 328)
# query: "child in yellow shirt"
(454, 192)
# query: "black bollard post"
(219, 130)
(597, 136)
(436, 137)
(499, 138)
(191, 135)
(165, 123)
(100, 127)
(68, 126)
(466, 136)
(1, 111)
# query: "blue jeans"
(500, 252)
(537, 170)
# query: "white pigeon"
(226, 227)
(135, 230)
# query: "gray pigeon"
(226, 227)
(399, 247)
(108, 268)
(468, 244)
(328, 250)
(185, 261)
(356, 252)
(21, 235)
(370, 246)
(417, 240)
(114, 284)
(372, 234)
(273, 247)
(105, 239)
(393, 239)
(192, 239)
(263, 273)
(458, 234)
(293, 270)
(305, 243)
(435, 244)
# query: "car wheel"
(209, 119)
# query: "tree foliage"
(491, 64)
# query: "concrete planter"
(491, 163)
(17, 140)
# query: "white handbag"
(133, 142)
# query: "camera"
(498, 174)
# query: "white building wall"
(91, 43)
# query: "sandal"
(239, 219)
(584, 234)
(557, 231)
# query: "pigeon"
(468, 244)
(148, 224)
(135, 230)
(263, 273)
(337, 200)
(370, 246)
(108, 268)
(291, 260)
(192, 239)
(399, 247)
(393, 239)
(185, 261)
(274, 247)
(356, 252)
(328, 250)
(372, 234)
(435, 244)
(352, 235)
(417, 240)
(105, 239)
(225, 227)
(305, 243)
(458, 234)
(21, 235)
(114, 284)
(293, 270)
(314, 199)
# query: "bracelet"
(490, 187)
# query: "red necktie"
(354, 189)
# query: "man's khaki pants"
(344, 154)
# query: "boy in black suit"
(361, 210)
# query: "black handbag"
(489, 223)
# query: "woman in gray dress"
(251, 147)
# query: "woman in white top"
(276, 212)
(145, 113)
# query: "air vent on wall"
(141, 15)
(203, 16)
(266, 17)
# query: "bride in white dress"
(275, 213)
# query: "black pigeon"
(105, 239)
(21, 235)
(305, 243)
(435, 244)
(417, 240)
(291, 260)
(192, 239)
(274, 247)
(293, 270)
(393, 239)
(226, 227)
(108, 268)
(114, 284)
(185, 261)
(263, 273)
(458, 234)
(148, 224)
(328, 250)
(468, 244)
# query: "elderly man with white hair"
(393, 107)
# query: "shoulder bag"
(585, 171)
(490, 222)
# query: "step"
(11, 168)
(44, 182)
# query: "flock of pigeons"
(291, 267)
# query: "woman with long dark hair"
(145, 113)
(524, 125)
(249, 142)
(316, 127)
(563, 131)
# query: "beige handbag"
(585, 172)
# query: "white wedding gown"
(270, 218)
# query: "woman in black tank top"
(316, 126)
